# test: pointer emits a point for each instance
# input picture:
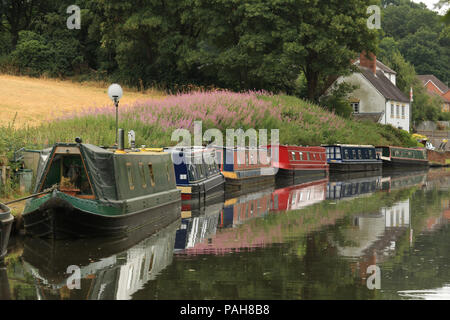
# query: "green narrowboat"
(402, 158)
(98, 192)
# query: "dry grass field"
(38, 100)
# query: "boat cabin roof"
(416, 148)
(348, 145)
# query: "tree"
(425, 107)
(17, 15)
(420, 35)
(329, 35)
(267, 44)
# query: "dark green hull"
(60, 216)
(404, 164)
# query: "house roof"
(368, 116)
(438, 83)
(380, 65)
(385, 68)
(384, 85)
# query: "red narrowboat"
(299, 196)
(298, 164)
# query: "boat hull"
(58, 218)
(346, 167)
(404, 164)
(286, 177)
(239, 183)
(6, 221)
(210, 188)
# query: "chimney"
(369, 62)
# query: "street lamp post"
(115, 92)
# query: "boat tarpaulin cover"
(100, 163)
(41, 166)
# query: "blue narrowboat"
(197, 173)
(353, 188)
(352, 158)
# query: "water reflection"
(296, 242)
(372, 236)
(103, 276)
(430, 294)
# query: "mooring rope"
(46, 191)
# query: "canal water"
(379, 237)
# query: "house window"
(398, 111)
(355, 107)
(392, 111)
(403, 111)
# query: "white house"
(377, 98)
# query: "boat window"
(307, 156)
(338, 152)
(152, 176)
(130, 175)
(354, 154)
(301, 155)
(292, 155)
(168, 172)
(69, 173)
(201, 171)
(346, 156)
(150, 265)
(359, 154)
(329, 153)
(142, 173)
(191, 173)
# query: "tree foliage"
(238, 44)
(421, 36)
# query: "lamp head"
(115, 92)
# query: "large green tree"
(423, 39)
(425, 107)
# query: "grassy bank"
(154, 120)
